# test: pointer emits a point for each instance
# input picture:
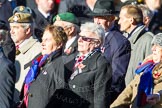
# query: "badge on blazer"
(77, 71)
(44, 72)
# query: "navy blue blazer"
(117, 52)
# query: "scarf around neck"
(145, 86)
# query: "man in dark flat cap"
(116, 48)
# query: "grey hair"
(94, 28)
(77, 29)
(157, 39)
(146, 11)
(28, 25)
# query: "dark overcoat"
(117, 52)
(46, 83)
(40, 22)
(7, 81)
(90, 87)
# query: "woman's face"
(157, 53)
(48, 43)
(87, 42)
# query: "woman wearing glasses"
(43, 78)
(91, 78)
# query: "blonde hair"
(135, 12)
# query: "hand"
(153, 99)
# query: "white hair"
(94, 28)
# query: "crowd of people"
(81, 54)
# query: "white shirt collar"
(69, 42)
(43, 13)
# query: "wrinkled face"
(153, 4)
(102, 21)
(48, 43)
(157, 53)
(124, 21)
(45, 5)
(18, 33)
(87, 42)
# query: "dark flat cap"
(103, 8)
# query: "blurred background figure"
(78, 7)
(28, 3)
(5, 12)
(7, 73)
(8, 45)
(155, 6)
(43, 15)
(147, 15)
(27, 48)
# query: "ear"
(28, 30)
(132, 20)
(71, 30)
(146, 20)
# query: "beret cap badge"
(58, 18)
(15, 18)
(21, 8)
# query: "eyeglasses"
(84, 38)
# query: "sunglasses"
(87, 39)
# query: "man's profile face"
(124, 21)
(104, 22)
(18, 33)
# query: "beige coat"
(28, 51)
(128, 96)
